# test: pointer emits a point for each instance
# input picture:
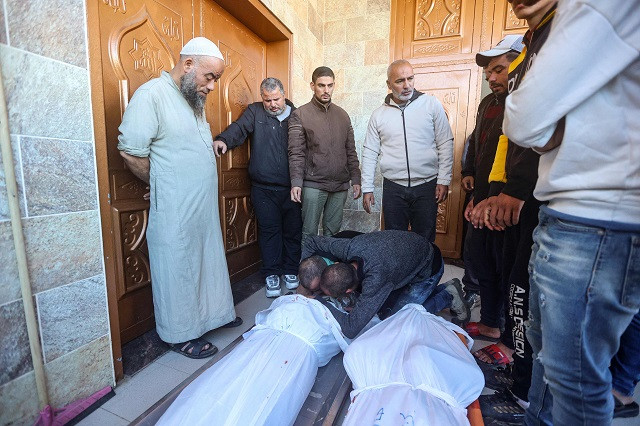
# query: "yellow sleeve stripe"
(517, 61)
(498, 170)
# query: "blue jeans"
(585, 290)
(625, 365)
(426, 293)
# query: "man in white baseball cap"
(511, 43)
(166, 141)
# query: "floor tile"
(102, 417)
(138, 393)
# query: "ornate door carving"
(451, 88)
(239, 86)
(138, 40)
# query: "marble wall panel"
(360, 221)
(376, 52)
(341, 9)
(72, 316)
(374, 6)
(19, 401)
(59, 175)
(344, 55)
(80, 373)
(315, 23)
(15, 356)
(362, 79)
(301, 10)
(63, 249)
(48, 28)
(335, 32)
(45, 97)
(350, 102)
(9, 280)
(3, 27)
(372, 100)
(369, 27)
(4, 203)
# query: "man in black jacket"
(279, 218)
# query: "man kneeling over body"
(400, 264)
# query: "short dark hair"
(322, 72)
(309, 270)
(337, 279)
(511, 55)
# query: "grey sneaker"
(459, 307)
(291, 281)
(273, 286)
(472, 298)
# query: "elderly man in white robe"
(165, 141)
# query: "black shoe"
(502, 406)
(621, 410)
(498, 379)
(490, 421)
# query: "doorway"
(131, 42)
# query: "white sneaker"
(273, 286)
(291, 281)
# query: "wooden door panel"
(451, 88)
(138, 40)
(245, 61)
(505, 22)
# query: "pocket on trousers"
(631, 290)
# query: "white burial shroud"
(266, 378)
(412, 369)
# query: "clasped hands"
(496, 212)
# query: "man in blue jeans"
(384, 263)
(579, 107)
(625, 371)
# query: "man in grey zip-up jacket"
(411, 135)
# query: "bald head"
(400, 80)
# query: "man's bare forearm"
(139, 166)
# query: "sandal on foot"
(194, 348)
(493, 351)
(621, 410)
(473, 331)
(235, 323)
(502, 406)
(496, 378)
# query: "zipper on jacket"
(406, 148)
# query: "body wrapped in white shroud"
(412, 369)
(266, 378)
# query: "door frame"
(252, 14)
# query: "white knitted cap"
(201, 46)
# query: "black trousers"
(415, 205)
(483, 253)
(518, 241)
(279, 230)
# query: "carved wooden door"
(138, 40)
(245, 56)
(451, 88)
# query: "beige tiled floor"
(136, 394)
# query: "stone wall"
(305, 19)
(46, 79)
(356, 47)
